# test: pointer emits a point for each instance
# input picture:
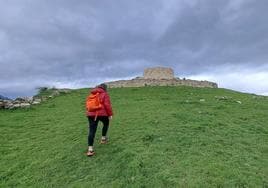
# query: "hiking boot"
(104, 140)
(90, 153)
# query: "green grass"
(159, 137)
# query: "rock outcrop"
(27, 102)
(17, 103)
(159, 76)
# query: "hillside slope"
(159, 137)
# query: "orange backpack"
(93, 103)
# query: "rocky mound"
(26, 102)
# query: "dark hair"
(103, 86)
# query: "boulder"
(28, 99)
(36, 102)
(16, 105)
(26, 102)
(8, 104)
(25, 105)
(17, 102)
(222, 97)
(20, 99)
(2, 105)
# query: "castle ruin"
(159, 76)
(158, 73)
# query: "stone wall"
(141, 82)
(160, 76)
(27, 102)
(158, 73)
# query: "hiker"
(99, 108)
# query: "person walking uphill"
(99, 108)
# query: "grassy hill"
(159, 137)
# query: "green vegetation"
(45, 91)
(159, 137)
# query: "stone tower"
(159, 76)
(158, 73)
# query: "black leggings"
(93, 127)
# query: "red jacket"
(106, 109)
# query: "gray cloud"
(86, 42)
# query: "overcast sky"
(70, 43)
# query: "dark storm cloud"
(215, 34)
(85, 42)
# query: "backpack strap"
(96, 116)
(98, 95)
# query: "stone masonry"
(158, 73)
(160, 76)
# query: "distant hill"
(4, 98)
